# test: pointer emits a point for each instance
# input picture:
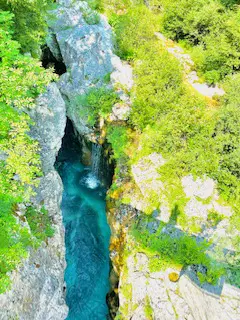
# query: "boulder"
(87, 51)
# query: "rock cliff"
(84, 42)
(38, 285)
(87, 51)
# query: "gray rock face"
(141, 290)
(172, 300)
(50, 121)
(37, 291)
(87, 52)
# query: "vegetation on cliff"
(196, 135)
(29, 23)
(22, 80)
(208, 28)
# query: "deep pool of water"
(87, 236)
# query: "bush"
(97, 102)
(118, 137)
(29, 20)
(158, 85)
(211, 28)
(133, 31)
(184, 250)
(14, 240)
(226, 137)
(40, 223)
(22, 79)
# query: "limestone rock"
(195, 208)
(3, 155)
(174, 300)
(49, 117)
(122, 73)
(37, 291)
(87, 52)
(199, 187)
(120, 112)
(38, 285)
(146, 176)
(205, 306)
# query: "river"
(87, 234)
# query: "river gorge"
(127, 219)
(87, 233)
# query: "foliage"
(133, 31)
(211, 29)
(159, 263)
(95, 4)
(214, 218)
(97, 102)
(40, 223)
(22, 79)
(174, 120)
(148, 309)
(118, 137)
(14, 240)
(21, 168)
(226, 136)
(127, 291)
(196, 136)
(29, 25)
(158, 84)
(184, 250)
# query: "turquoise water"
(87, 237)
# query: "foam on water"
(91, 181)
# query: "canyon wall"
(37, 290)
(88, 53)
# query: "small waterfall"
(96, 159)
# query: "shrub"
(29, 22)
(214, 218)
(210, 28)
(226, 137)
(40, 223)
(118, 137)
(133, 31)
(22, 79)
(98, 101)
(14, 240)
(184, 250)
(158, 85)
